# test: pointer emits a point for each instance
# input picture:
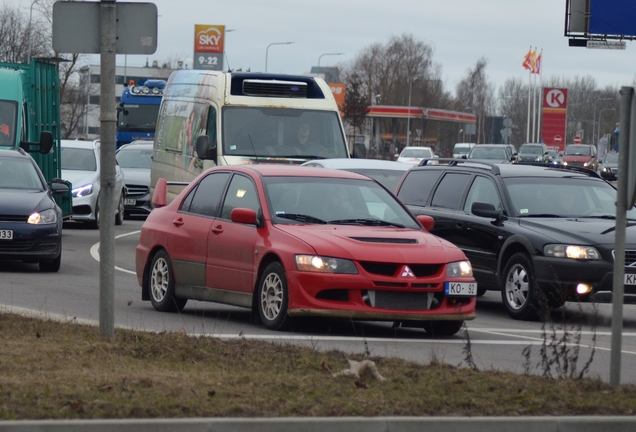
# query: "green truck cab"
(30, 118)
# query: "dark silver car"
(386, 172)
(609, 170)
(135, 160)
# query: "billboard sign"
(612, 17)
(600, 20)
(339, 91)
(209, 43)
(553, 126)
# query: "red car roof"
(267, 170)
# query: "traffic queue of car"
(351, 238)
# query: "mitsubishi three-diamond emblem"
(407, 272)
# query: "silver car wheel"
(159, 279)
(517, 287)
(272, 296)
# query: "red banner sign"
(555, 102)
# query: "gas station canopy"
(386, 111)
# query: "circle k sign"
(555, 98)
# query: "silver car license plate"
(460, 288)
(6, 234)
(130, 201)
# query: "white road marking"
(95, 251)
(525, 335)
(303, 338)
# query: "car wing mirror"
(243, 216)
(159, 195)
(487, 210)
(58, 188)
(45, 146)
(427, 222)
(203, 148)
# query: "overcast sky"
(460, 32)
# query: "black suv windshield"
(562, 197)
(531, 149)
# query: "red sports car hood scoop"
(375, 243)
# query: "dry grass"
(52, 370)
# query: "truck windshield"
(8, 122)
(282, 132)
(137, 117)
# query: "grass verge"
(53, 370)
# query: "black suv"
(533, 152)
(527, 230)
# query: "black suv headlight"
(571, 251)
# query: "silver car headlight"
(46, 217)
(315, 263)
(459, 269)
(571, 251)
(81, 191)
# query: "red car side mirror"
(427, 222)
(159, 195)
(243, 216)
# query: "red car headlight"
(315, 263)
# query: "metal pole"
(618, 289)
(594, 131)
(29, 36)
(529, 93)
(267, 49)
(107, 170)
(326, 54)
(600, 116)
(408, 115)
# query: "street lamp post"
(328, 54)
(594, 132)
(600, 115)
(408, 116)
(267, 49)
(224, 52)
(29, 36)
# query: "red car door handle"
(178, 222)
(217, 229)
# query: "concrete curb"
(334, 424)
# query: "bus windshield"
(136, 117)
(282, 132)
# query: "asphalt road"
(492, 341)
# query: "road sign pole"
(107, 171)
(627, 94)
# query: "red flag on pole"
(527, 60)
(537, 65)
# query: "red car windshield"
(320, 200)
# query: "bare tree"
(401, 68)
(15, 33)
(513, 104)
(73, 93)
(356, 102)
(475, 93)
